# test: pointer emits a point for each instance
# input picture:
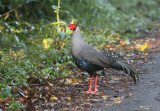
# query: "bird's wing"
(94, 56)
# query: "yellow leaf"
(105, 97)
(53, 97)
(70, 72)
(107, 46)
(1, 63)
(1, 100)
(146, 54)
(69, 81)
(116, 78)
(75, 80)
(68, 97)
(117, 102)
(62, 45)
(145, 45)
(47, 43)
(62, 80)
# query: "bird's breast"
(85, 65)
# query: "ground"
(145, 94)
(117, 91)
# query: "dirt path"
(146, 94)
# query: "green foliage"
(15, 105)
(6, 94)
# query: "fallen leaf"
(117, 102)
(117, 98)
(68, 97)
(75, 80)
(105, 97)
(53, 97)
(145, 107)
(129, 95)
(107, 46)
(60, 92)
(146, 54)
(69, 81)
(122, 44)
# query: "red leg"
(95, 87)
(90, 85)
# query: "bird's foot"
(90, 91)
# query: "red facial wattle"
(72, 26)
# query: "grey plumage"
(82, 51)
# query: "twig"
(11, 10)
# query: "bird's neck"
(77, 35)
(77, 42)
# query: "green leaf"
(15, 95)
(13, 104)
(21, 106)
(62, 34)
(8, 90)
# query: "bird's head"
(72, 26)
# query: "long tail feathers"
(126, 68)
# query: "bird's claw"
(90, 91)
(136, 79)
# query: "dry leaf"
(129, 95)
(122, 44)
(107, 46)
(53, 97)
(117, 102)
(60, 92)
(117, 98)
(69, 81)
(17, 16)
(1, 100)
(7, 15)
(75, 80)
(105, 97)
(68, 97)
(146, 54)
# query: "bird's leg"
(95, 87)
(90, 85)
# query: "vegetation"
(35, 40)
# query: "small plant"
(8, 99)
